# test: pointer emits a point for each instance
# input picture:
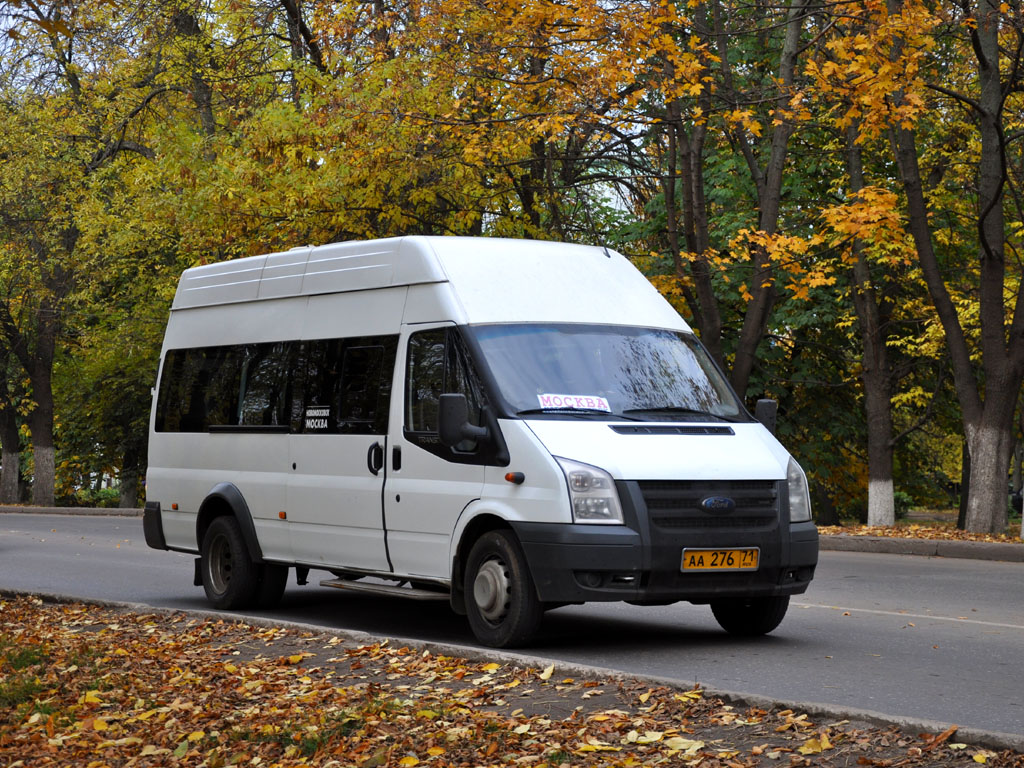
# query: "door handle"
(375, 458)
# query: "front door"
(428, 484)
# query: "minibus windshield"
(605, 371)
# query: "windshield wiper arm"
(672, 409)
(577, 412)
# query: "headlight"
(799, 498)
(592, 494)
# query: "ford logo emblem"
(718, 504)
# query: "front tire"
(231, 579)
(750, 616)
(501, 599)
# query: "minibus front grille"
(630, 429)
(678, 504)
(711, 522)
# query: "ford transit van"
(507, 426)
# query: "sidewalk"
(971, 550)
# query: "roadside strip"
(981, 738)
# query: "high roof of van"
(493, 279)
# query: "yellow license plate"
(721, 559)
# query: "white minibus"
(508, 426)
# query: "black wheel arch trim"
(229, 494)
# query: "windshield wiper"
(681, 410)
(577, 412)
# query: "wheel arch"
(472, 530)
(226, 499)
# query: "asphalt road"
(923, 638)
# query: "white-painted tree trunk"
(987, 501)
(881, 503)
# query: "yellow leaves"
(686, 746)
(546, 674)
(90, 697)
(408, 761)
(816, 745)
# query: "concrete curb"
(993, 740)
(77, 511)
(973, 550)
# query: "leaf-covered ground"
(82, 685)
(946, 531)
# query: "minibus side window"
(348, 385)
(266, 384)
(199, 388)
(437, 364)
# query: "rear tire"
(750, 616)
(231, 579)
(501, 599)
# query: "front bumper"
(641, 560)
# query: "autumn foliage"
(806, 183)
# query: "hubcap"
(491, 590)
(220, 564)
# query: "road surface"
(923, 638)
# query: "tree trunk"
(43, 453)
(876, 373)
(965, 484)
(987, 501)
(129, 476)
(10, 457)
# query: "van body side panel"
(334, 501)
(248, 323)
(187, 466)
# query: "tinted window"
(348, 385)
(438, 364)
(199, 387)
(330, 385)
(266, 383)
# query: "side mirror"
(453, 421)
(766, 411)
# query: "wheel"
(230, 578)
(501, 600)
(750, 616)
(273, 578)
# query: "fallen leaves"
(191, 692)
(936, 532)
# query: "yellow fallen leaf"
(547, 673)
(490, 667)
(91, 697)
(435, 751)
(99, 725)
(650, 737)
(980, 758)
(816, 745)
(687, 746)
(598, 748)
(408, 761)
(644, 697)
(295, 659)
(196, 735)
